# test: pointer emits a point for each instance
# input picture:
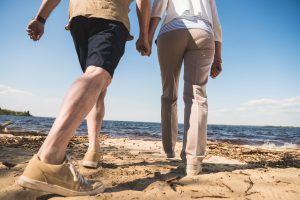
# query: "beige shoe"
(193, 170)
(61, 179)
(91, 159)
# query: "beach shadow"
(142, 183)
(5, 172)
(47, 196)
(208, 168)
(178, 173)
(143, 163)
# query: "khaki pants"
(196, 48)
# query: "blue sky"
(260, 84)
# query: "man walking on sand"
(100, 29)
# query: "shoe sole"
(89, 164)
(54, 189)
(170, 156)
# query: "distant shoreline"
(14, 113)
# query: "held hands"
(35, 30)
(216, 68)
(143, 46)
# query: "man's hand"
(216, 68)
(35, 30)
(143, 9)
(143, 47)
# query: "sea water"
(267, 136)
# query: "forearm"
(218, 51)
(47, 7)
(153, 26)
(143, 12)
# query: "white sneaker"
(193, 170)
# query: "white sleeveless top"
(189, 9)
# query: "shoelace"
(77, 176)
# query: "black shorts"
(98, 42)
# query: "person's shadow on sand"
(141, 184)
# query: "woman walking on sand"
(190, 33)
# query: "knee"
(195, 93)
(170, 95)
(170, 98)
(97, 73)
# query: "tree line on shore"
(14, 113)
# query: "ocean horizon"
(266, 136)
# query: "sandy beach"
(135, 169)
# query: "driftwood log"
(5, 124)
(4, 130)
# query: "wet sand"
(136, 169)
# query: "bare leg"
(77, 103)
(94, 122)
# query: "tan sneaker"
(91, 159)
(61, 179)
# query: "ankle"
(53, 159)
(94, 148)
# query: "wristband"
(40, 19)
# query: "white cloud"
(6, 90)
(274, 105)
(265, 111)
(21, 100)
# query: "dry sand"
(135, 169)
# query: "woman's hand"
(216, 68)
(143, 47)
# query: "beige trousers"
(196, 48)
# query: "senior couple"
(190, 34)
